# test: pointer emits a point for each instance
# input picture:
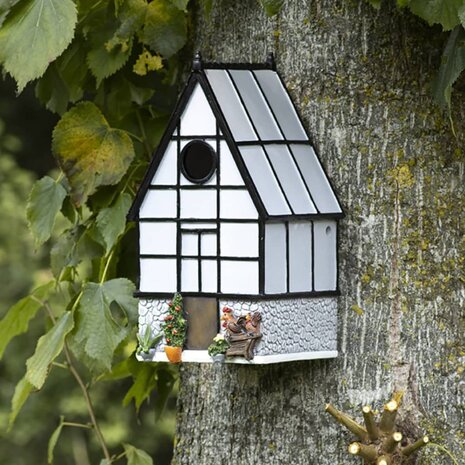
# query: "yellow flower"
(219, 337)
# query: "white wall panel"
(239, 240)
(237, 204)
(239, 277)
(275, 258)
(157, 238)
(198, 118)
(325, 268)
(300, 256)
(167, 169)
(209, 275)
(209, 244)
(230, 175)
(189, 244)
(158, 274)
(198, 203)
(159, 204)
(189, 275)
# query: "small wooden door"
(202, 321)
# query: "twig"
(348, 422)
(77, 425)
(445, 450)
(79, 380)
(373, 431)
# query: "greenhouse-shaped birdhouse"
(237, 218)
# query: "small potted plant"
(147, 343)
(217, 349)
(174, 328)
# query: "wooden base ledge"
(201, 356)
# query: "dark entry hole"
(198, 161)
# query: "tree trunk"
(361, 80)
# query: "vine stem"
(77, 425)
(77, 376)
(107, 265)
(445, 450)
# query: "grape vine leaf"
(111, 221)
(137, 456)
(165, 383)
(444, 12)
(144, 381)
(89, 151)
(53, 440)
(35, 33)
(180, 4)
(98, 332)
(272, 7)
(452, 65)
(165, 28)
(16, 321)
(22, 391)
(44, 203)
(49, 346)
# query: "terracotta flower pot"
(173, 354)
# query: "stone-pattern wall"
(288, 325)
(292, 325)
(152, 312)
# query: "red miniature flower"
(177, 308)
(170, 326)
(227, 310)
(168, 340)
(175, 331)
(170, 304)
(224, 324)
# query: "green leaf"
(47, 350)
(165, 28)
(462, 15)
(53, 441)
(89, 151)
(22, 391)
(144, 382)
(111, 221)
(104, 63)
(131, 20)
(98, 331)
(180, 4)
(272, 7)
(16, 320)
(452, 65)
(165, 383)
(44, 203)
(34, 34)
(444, 12)
(51, 91)
(137, 456)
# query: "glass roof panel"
(230, 104)
(264, 180)
(290, 179)
(316, 179)
(256, 105)
(281, 104)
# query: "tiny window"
(198, 161)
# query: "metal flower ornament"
(379, 443)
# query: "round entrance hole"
(198, 161)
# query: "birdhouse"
(237, 215)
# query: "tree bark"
(361, 79)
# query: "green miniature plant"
(175, 326)
(147, 341)
(219, 345)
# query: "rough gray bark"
(361, 80)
